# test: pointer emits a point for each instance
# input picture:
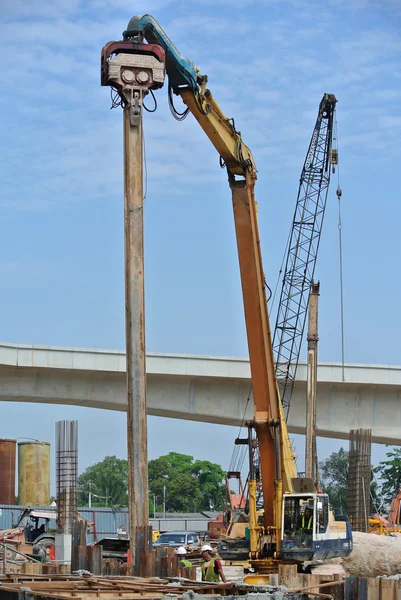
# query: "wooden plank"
(151, 563)
(172, 563)
(187, 573)
(373, 588)
(325, 578)
(288, 576)
(284, 572)
(50, 568)
(388, 589)
(112, 595)
(337, 591)
(64, 569)
(314, 587)
(31, 568)
(124, 569)
(311, 581)
(110, 588)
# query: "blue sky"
(61, 220)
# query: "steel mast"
(303, 248)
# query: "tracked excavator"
(297, 277)
(282, 534)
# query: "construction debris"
(291, 586)
(126, 587)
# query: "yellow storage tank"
(34, 473)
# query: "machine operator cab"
(310, 531)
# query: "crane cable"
(238, 457)
(339, 194)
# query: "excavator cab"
(309, 530)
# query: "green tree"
(210, 477)
(389, 472)
(334, 480)
(107, 481)
(189, 485)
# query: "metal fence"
(107, 520)
(197, 525)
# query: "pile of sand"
(374, 555)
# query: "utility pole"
(310, 444)
(132, 69)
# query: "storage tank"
(34, 473)
(7, 471)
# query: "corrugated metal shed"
(182, 516)
(108, 520)
(9, 514)
(198, 525)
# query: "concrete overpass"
(199, 388)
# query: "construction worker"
(211, 567)
(182, 553)
(306, 523)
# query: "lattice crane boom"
(303, 248)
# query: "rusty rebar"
(66, 474)
(359, 477)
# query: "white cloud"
(266, 74)
(45, 9)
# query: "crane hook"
(339, 192)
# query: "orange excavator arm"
(395, 509)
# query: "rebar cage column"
(66, 474)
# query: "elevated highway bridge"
(202, 388)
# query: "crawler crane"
(285, 496)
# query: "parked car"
(174, 539)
